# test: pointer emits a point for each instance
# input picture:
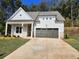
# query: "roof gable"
(20, 14)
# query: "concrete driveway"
(45, 48)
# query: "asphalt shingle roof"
(47, 13)
(34, 15)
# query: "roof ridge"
(42, 11)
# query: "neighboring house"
(35, 24)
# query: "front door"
(29, 30)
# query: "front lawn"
(73, 40)
(8, 45)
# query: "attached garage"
(47, 32)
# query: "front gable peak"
(20, 14)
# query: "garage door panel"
(50, 33)
(40, 33)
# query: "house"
(48, 24)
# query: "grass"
(73, 40)
(8, 45)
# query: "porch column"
(6, 29)
(22, 27)
(32, 30)
(11, 30)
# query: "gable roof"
(34, 15)
(47, 13)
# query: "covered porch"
(19, 29)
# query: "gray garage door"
(49, 32)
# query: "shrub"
(2, 53)
(66, 36)
(18, 36)
(14, 36)
(5, 36)
(9, 35)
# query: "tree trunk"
(72, 15)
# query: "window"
(43, 18)
(20, 15)
(18, 29)
(46, 18)
(50, 18)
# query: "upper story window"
(46, 18)
(20, 15)
(43, 18)
(18, 29)
(50, 18)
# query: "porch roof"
(19, 22)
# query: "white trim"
(19, 22)
(32, 30)
(6, 29)
(22, 27)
